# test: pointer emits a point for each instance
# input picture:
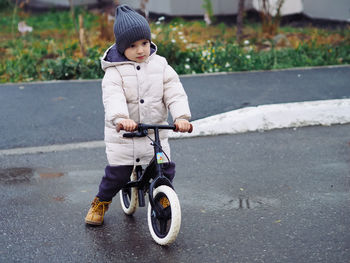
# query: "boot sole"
(93, 223)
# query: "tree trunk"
(82, 39)
(240, 21)
(144, 10)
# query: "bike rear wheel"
(129, 197)
(164, 228)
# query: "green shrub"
(68, 68)
(29, 64)
(52, 50)
(220, 57)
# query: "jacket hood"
(112, 57)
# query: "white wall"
(289, 6)
(324, 9)
(185, 7)
(327, 9)
(59, 3)
(220, 7)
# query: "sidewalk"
(275, 116)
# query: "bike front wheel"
(164, 227)
(129, 197)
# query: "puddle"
(16, 175)
(257, 202)
(217, 201)
(26, 174)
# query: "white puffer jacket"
(143, 92)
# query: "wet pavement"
(277, 196)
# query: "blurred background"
(52, 39)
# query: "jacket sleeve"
(175, 97)
(113, 97)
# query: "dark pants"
(116, 177)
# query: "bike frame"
(153, 170)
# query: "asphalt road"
(276, 196)
(294, 186)
(36, 114)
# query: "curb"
(275, 116)
(250, 119)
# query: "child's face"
(138, 51)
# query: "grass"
(52, 50)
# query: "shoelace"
(104, 204)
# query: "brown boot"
(96, 212)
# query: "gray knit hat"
(129, 26)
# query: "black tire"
(165, 230)
(129, 197)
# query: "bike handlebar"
(174, 127)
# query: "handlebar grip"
(177, 128)
(120, 127)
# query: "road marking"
(53, 148)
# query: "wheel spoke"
(163, 226)
(167, 213)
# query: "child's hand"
(128, 125)
(183, 125)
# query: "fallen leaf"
(50, 175)
(59, 198)
(58, 98)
